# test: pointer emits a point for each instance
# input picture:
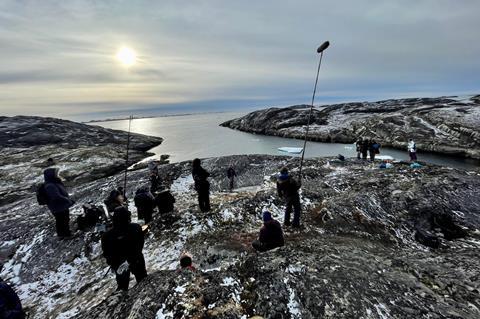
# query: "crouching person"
(271, 234)
(145, 203)
(122, 248)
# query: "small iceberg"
(292, 150)
(384, 157)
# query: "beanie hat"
(267, 216)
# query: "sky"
(57, 58)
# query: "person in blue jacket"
(10, 305)
(58, 201)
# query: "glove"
(123, 268)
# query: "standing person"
(358, 145)
(412, 150)
(145, 203)
(202, 186)
(271, 234)
(10, 305)
(364, 148)
(155, 181)
(373, 149)
(122, 248)
(287, 188)
(58, 201)
(231, 174)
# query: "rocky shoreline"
(358, 256)
(445, 125)
(83, 152)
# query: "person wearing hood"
(202, 186)
(412, 150)
(10, 305)
(122, 248)
(271, 234)
(114, 200)
(58, 201)
(287, 188)
(145, 203)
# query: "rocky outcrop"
(447, 125)
(358, 255)
(83, 152)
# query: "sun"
(126, 56)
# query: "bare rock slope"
(362, 253)
(447, 125)
(83, 152)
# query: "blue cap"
(267, 216)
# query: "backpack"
(42, 197)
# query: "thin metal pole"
(126, 161)
(310, 116)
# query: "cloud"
(57, 57)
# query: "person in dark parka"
(10, 305)
(164, 201)
(373, 149)
(364, 148)
(287, 188)
(145, 203)
(231, 174)
(271, 234)
(122, 248)
(202, 186)
(58, 201)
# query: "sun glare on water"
(126, 56)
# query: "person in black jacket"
(58, 201)
(231, 174)
(145, 203)
(364, 148)
(287, 188)
(164, 201)
(202, 186)
(122, 248)
(271, 234)
(10, 305)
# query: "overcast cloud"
(57, 57)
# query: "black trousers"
(231, 182)
(293, 204)
(62, 223)
(145, 214)
(135, 266)
(204, 200)
(261, 247)
(372, 155)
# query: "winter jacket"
(412, 148)
(200, 176)
(231, 173)
(10, 306)
(288, 188)
(58, 198)
(165, 201)
(144, 200)
(125, 244)
(271, 234)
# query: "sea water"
(199, 135)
